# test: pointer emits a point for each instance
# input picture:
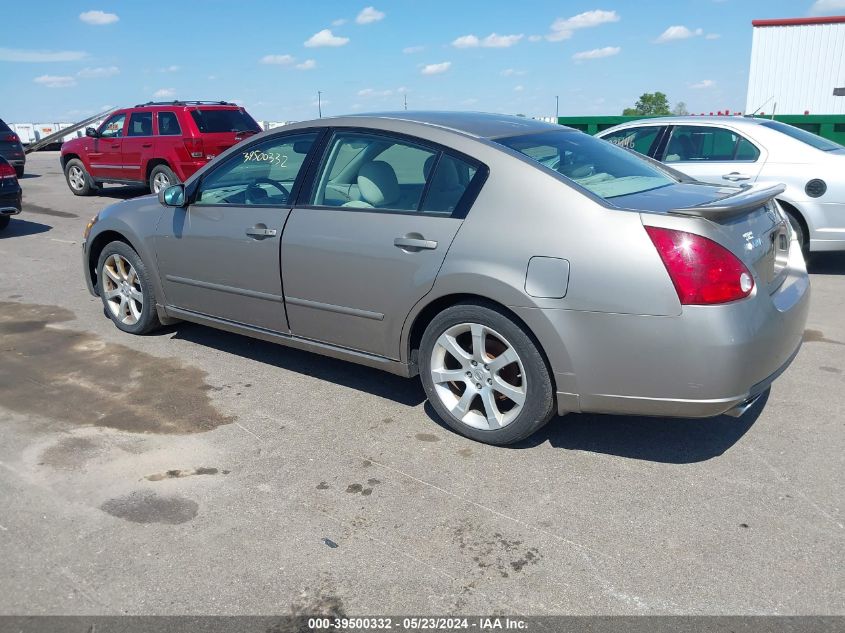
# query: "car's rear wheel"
(19, 172)
(484, 375)
(161, 177)
(800, 235)
(4, 221)
(125, 289)
(77, 177)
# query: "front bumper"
(86, 270)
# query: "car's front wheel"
(484, 375)
(78, 179)
(125, 289)
(161, 177)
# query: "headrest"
(446, 175)
(378, 183)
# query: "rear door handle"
(735, 176)
(145, 145)
(260, 231)
(413, 242)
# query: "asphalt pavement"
(200, 472)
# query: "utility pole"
(406, 100)
(557, 108)
(320, 104)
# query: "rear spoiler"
(749, 197)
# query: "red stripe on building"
(833, 19)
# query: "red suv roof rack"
(179, 103)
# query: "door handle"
(260, 231)
(735, 176)
(115, 146)
(414, 243)
(147, 145)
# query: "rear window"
(4, 127)
(218, 120)
(600, 167)
(804, 136)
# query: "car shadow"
(122, 193)
(373, 381)
(19, 228)
(827, 263)
(28, 176)
(662, 440)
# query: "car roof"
(686, 120)
(477, 124)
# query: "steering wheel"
(253, 188)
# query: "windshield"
(219, 120)
(601, 167)
(804, 136)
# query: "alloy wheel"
(160, 181)
(76, 177)
(478, 376)
(122, 289)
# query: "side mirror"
(172, 196)
(89, 131)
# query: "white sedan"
(737, 150)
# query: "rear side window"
(449, 182)
(639, 139)
(214, 121)
(699, 143)
(168, 124)
(140, 124)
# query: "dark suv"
(155, 144)
(11, 148)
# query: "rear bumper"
(10, 204)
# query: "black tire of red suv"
(162, 173)
(78, 179)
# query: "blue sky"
(63, 60)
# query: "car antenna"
(763, 105)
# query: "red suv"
(157, 144)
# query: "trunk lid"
(749, 219)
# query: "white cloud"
(278, 60)
(677, 33)
(712, 36)
(325, 38)
(308, 64)
(339, 22)
(370, 92)
(39, 56)
(164, 93)
(519, 88)
(822, 7)
(98, 73)
(436, 69)
(369, 15)
(55, 81)
(409, 50)
(562, 28)
(170, 69)
(597, 53)
(704, 83)
(98, 18)
(535, 38)
(512, 72)
(494, 40)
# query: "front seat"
(378, 185)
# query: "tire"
(19, 172)
(463, 403)
(78, 178)
(4, 221)
(125, 289)
(799, 234)
(162, 177)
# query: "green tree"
(649, 104)
(680, 109)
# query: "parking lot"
(195, 471)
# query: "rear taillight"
(10, 138)
(194, 147)
(7, 171)
(702, 271)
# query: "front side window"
(263, 174)
(639, 139)
(168, 124)
(373, 171)
(113, 127)
(140, 124)
(601, 168)
(697, 143)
